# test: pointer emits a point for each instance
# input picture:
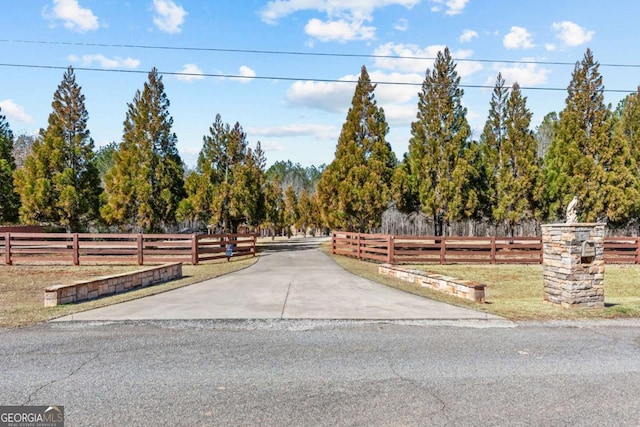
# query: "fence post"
(542, 252)
(7, 248)
(493, 249)
(140, 240)
(359, 247)
(391, 250)
(253, 244)
(637, 250)
(76, 250)
(333, 243)
(443, 250)
(194, 249)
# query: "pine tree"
(519, 179)
(623, 156)
(305, 211)
(492, 141)
(59, 182)
(9, 200)
(442, 163)
(146, 183)
(228, 187)
(354, 189)
(583, 159)
(274, 207)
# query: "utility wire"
(298, 53)
(280, 78)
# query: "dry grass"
(516, 291)
(22, 287)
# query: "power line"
(298, 53)
(280, 78)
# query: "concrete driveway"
(292, 280)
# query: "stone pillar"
(573, 264)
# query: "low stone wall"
(467, 289)
(110, 285)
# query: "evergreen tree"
(492, 142)
(441, 160)
(146, 183)
(248, 200)
(623, 183)
(404, 187)
(104, 159)
(228, 188)
(59, 182)
(274, 207)
(518, 179)
(9, 200)
(583, 159)
(305, 211)
(354, 189)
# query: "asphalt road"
(326, 373)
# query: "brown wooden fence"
(464, 250)
(76, 249)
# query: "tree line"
(508, 175)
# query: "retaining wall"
(467, 289)
(110, 285)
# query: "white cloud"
(277, 9)
(406, 90)
(401, 25)
(325, 96)
(518, 38)
(104, 62)
(73, 16)
(246, 72)
(297, 130)
(245, 75)
(572, 34)
(408, 62)
(452, 7)
(271, 146)
(345, 19)
(397, 100)
(341, 30)
(467, 36)
(398, 115)
(526, 74)
(169, 16)
(550, 47)
(189, 73)
(14, 112)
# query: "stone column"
(573, 264)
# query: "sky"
(286, 69)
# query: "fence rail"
(464, 250)
(77, 248)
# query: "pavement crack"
(443, 409)
(34, 393)
(284, 305)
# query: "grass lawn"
(22, 287)
(516, 291)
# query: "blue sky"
(284, 102)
